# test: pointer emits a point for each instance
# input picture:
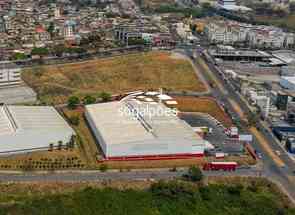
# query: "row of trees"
(74, 101)
(59, 51)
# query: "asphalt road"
(91, 176)
(283, 175)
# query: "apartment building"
(257, 36)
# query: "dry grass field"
(203, 105)
(152, 70)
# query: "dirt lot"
(203, 105)
(152, 70)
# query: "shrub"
(194, 174)
(73, 102)
(89, 100)
(105, 96)
(40, 51)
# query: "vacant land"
(152, 70)
(203, 105)
(171, 198)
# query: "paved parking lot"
(216, 138)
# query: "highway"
(278, 168)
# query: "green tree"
(19, 56)
(73, 102)
(195, 174)
(60, 143)
(89, 100)
(40, 51)
(105, 96)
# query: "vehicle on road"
(225, 166)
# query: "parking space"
(217, 137)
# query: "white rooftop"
(37, 118)
(117, 126)
(24, 128)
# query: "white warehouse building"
(131, 130)
(31, 128)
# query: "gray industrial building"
(32, 128)
(12, 88)
(135, 129)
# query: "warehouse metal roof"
(5, 125)
(131, 120)
(28, 128)
(14, 119)
(37, 118)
